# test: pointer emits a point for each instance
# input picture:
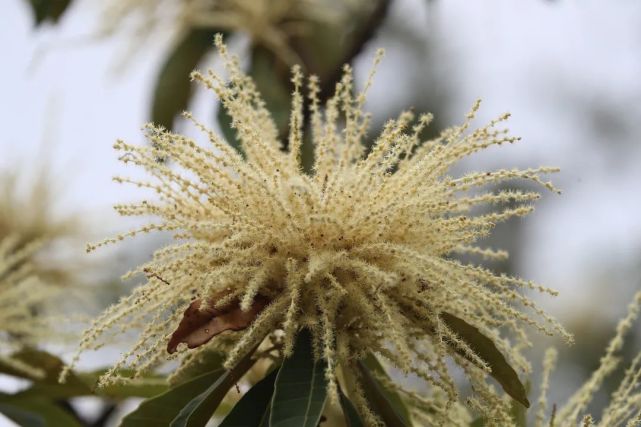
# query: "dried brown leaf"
(198, 326)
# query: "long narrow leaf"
(48, 10)
(198, 411)
(21, 417)
(207, 361)
(77, 384)
(162, 409)
(173, 87)
(352, 419)
(52, 414)
(45, 384)
(379, 400)
(484, 348)
(374, 366)
(251, 409)
(301, 389)
(518, 411)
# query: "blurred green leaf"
(479, 422)
(483, 347)
(373, 365)
(44, 10)
(76, 384)
(57, 8)
(381, 400)
(139, 387)
(35, 411)
(46, 363)
(173, 86)
(518, 411)
(8, 369)
(162, 409)
(55, 391)
(327, 45)
(253, 408)
(40, 9)
(48, 385)
(300, 390)
(198, 411)
(518, 414)
(352, 419)
(52, 414)
(21, 417)
(207, 361)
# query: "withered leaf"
(198, 326)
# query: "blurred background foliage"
(569, 71)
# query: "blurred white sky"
(569, 71)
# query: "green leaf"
(76, 384)
(380, 399)
(518, 414)
(29, 411)
(54, 391)
(479, 422)
(47, 363)
(40, 9)
(48, 385)
(163, 408)
(83, 384)
(44, 10)
(518, 411)
(253, 408)
(483, 347)
(301, 389)
(8, 369)
(198, 411)
(352, 419)
(173, 85)
(373, 364)
(207, 361)
(139, 387)
(21, 417)
(51, 414)
(57, 8)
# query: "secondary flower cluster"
(268, 23)
(624, 407)
(362, 251)
(28, 218)
(23, 296)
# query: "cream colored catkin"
(363, 250)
